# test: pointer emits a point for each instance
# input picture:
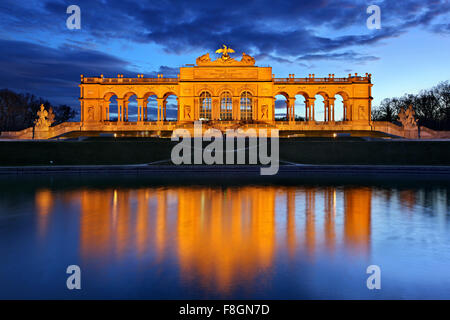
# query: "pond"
(139, 237)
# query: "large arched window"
(246, 105)
(226, 106)
(205, 106)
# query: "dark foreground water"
(140, 238)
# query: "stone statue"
(407, 118)
(225, 59)
(203, 58)
(51, 116)
(247, 59)
(45, 119)
(224, 51)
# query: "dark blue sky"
(38, 54)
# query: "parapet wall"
(379, 126)
(52, 132)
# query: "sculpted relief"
(247, 59)
(225, 59)
(407, 118)
(202, 59)
(187, 112)
(362, 114)
(45, 119)
(264, 112)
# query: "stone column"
(120, 103)
(291, 109)
(347, 110)
(306, 110)
(311, 116)
(145, 110)
(160, 108)
(331, 107)
(326, 104)
(140, 102)
(125, 110)
(106, 106)
(165, 109)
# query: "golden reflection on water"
(44, 204)
(225, 234)
(218, 235)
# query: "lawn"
(308, 151)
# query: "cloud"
(54, 73)
(277, 29)
(343, 56)
(442, 28)
(168, 72)
(50, 58)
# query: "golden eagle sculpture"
(225, 52)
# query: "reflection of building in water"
(219, 236)
(408, 198)
(357, 217)
(161, 222)
(310, 224)
(291, 237)
(225, 235)
(44, 204)
(113, 221)
(98, 211)
(329, 219)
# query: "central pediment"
(225, 68)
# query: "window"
(205, 106)
(226, 106)
(246, 105)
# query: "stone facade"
(225, 90)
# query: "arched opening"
(226, 106)
(341, 112)
(205, 105)
(246, 106)
(110, 107)
(130, 107)
(319, 107)
(150, 107)
(170, 107)
(300, 107)
(281, 106)
(338, 108)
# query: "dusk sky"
(38, 54)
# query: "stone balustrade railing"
(128, 80)
(321, 80)
(366, 79)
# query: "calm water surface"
(136, 238)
